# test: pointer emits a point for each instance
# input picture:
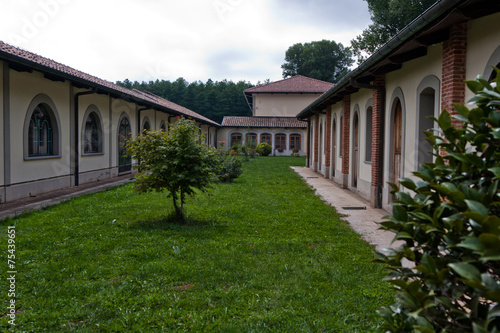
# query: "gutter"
(430, 15)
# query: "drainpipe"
(76, 148)
(139, 120)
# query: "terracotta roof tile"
(295, 84)
(279, 122)
(21, 57)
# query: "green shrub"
(230, 168)
(264, 149)
(450, 226)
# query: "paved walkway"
(357, 211)
(18, 207)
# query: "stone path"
(363, 221)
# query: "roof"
(431, 27)
(24, 61)
(263, 122)
(297, 84)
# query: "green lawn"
(261, 254)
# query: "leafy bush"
(175, 161)
(264, 149)
(450, 226)
(230, 168)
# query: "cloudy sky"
(167, 39)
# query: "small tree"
(451, 227)
(175, 161)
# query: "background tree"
(213, 100)
(175, 161)
(324, 60)
(388, 17)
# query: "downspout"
(139, 119)
(76, 148)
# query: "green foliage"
(389, 17)
(264, 149)
(323, 60)
(451, 227)
(213, 100)
(230, 168)
(175, 161)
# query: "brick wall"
(316, 140)
(376, 123)
(454, 67)
(346, 118)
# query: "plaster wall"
(281, 105)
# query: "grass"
(261, 254)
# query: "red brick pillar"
(328, 140)
(454, 67)
(346, 119)
(308, 144)
(316, 143)
(377, 141)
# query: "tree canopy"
(388, 17)
(213, 100)
(175, 161)
(323, 60)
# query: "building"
(61, 127)
(274, 108)
(367, 129)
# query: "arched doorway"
(355, 155)
(124, 134)
(334, 147)
(320, 150)
(397, 143)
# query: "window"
(266, 137)
(340, 136)
(236, 139)
(124, 134)
(92, 134)
(295, 141)
(146, 125)
(251, 138)
(368, 138)
(40, 133)
(280, 141)
(163, 126)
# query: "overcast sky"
(166, 39)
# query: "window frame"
(231, 140)
(266, 135)
(53, 117)
(92, 110)
(295, 136)
(280, 141)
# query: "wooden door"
(397, 144)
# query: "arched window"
(368, 138)
(295, 141)
(92, 137)
(146, 125)
(341, 130)
(236, 139)
(163, 126)
(124, 134)
(40, 132)
(280, 141)
(251, 138)
(428, 100)
(266, 137)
